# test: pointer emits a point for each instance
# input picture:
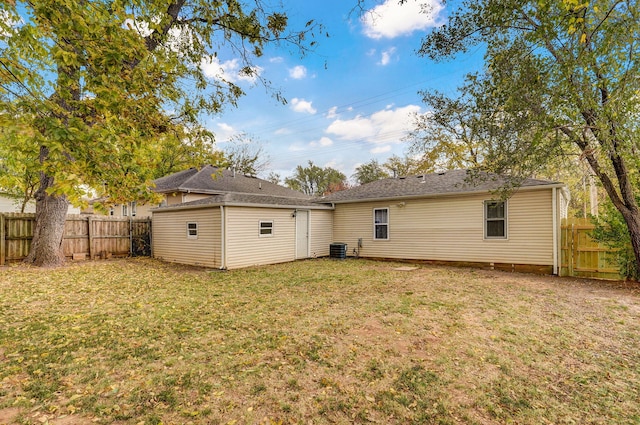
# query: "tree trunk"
(632, 218)
(51, 214)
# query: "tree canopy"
(560, 76)
(97, 86)
(315, 180)
(246, 155)
(370, 172)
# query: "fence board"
(92, 236)
(581, 256)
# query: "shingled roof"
(248, 199)
(211, 180)
(445, 183)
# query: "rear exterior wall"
(171, 242)
(245, 246)
(320, 232)
(452, 229)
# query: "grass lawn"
(314, 342)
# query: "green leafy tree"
(611, 230)
(316, 181)
(449, 136)
(405, 166)
(562, 76)
(183, 149)
(246, 155)
(93, 81)
(274, 177)
(370, 172)
(18, 165)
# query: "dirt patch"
(9, 415)
(16, 415)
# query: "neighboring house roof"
(248, 199)
(436, 184)
(215, 181)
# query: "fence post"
(90, 236)
(570, 248)
(3, 242)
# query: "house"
(441, 217)
(194, 184)
(12, 204)
(445, 217)
(218, 218)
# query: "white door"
(302, 234)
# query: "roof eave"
(441, 195)
(180, 207)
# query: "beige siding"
(142, 210)
(170, 242)
(320, 232)
(452, 229)
(245, 247)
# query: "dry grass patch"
(321, 341)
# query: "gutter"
(437, 195)
(320, 206)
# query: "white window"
(192, 230)
(266, 228)
(134, 209)
(112, 211)
(495, 220)
(125, 210)
(381, 223)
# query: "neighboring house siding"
(452, 229)
(12, 205)
(245, 247)
(320, 232)
(170, 241)
(9, 204)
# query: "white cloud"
(332, 113)
(283, 131)
(224, 131)
(391, 19)
(298, 72)
(297, 147)
(229, 71)
(276, 59)
(301, 105)
(381, 149)
(385, 59)
(382, 127)
(322, 143)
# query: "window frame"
(134, 208)
(192, 232)
(125, 210)
(270, 227)
(488, 219)
(386, 224)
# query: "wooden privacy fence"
(581, 256)
(84, 236)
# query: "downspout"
(223, 225)
(554, 208)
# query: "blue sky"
(351, 99)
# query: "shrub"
(612, 231)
